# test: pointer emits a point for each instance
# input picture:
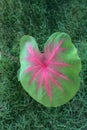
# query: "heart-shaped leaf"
(52, 77)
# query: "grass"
(40, 18)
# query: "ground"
(40, 18)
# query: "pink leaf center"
(44, 67)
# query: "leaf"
(51, 78)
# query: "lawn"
(40, 18)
